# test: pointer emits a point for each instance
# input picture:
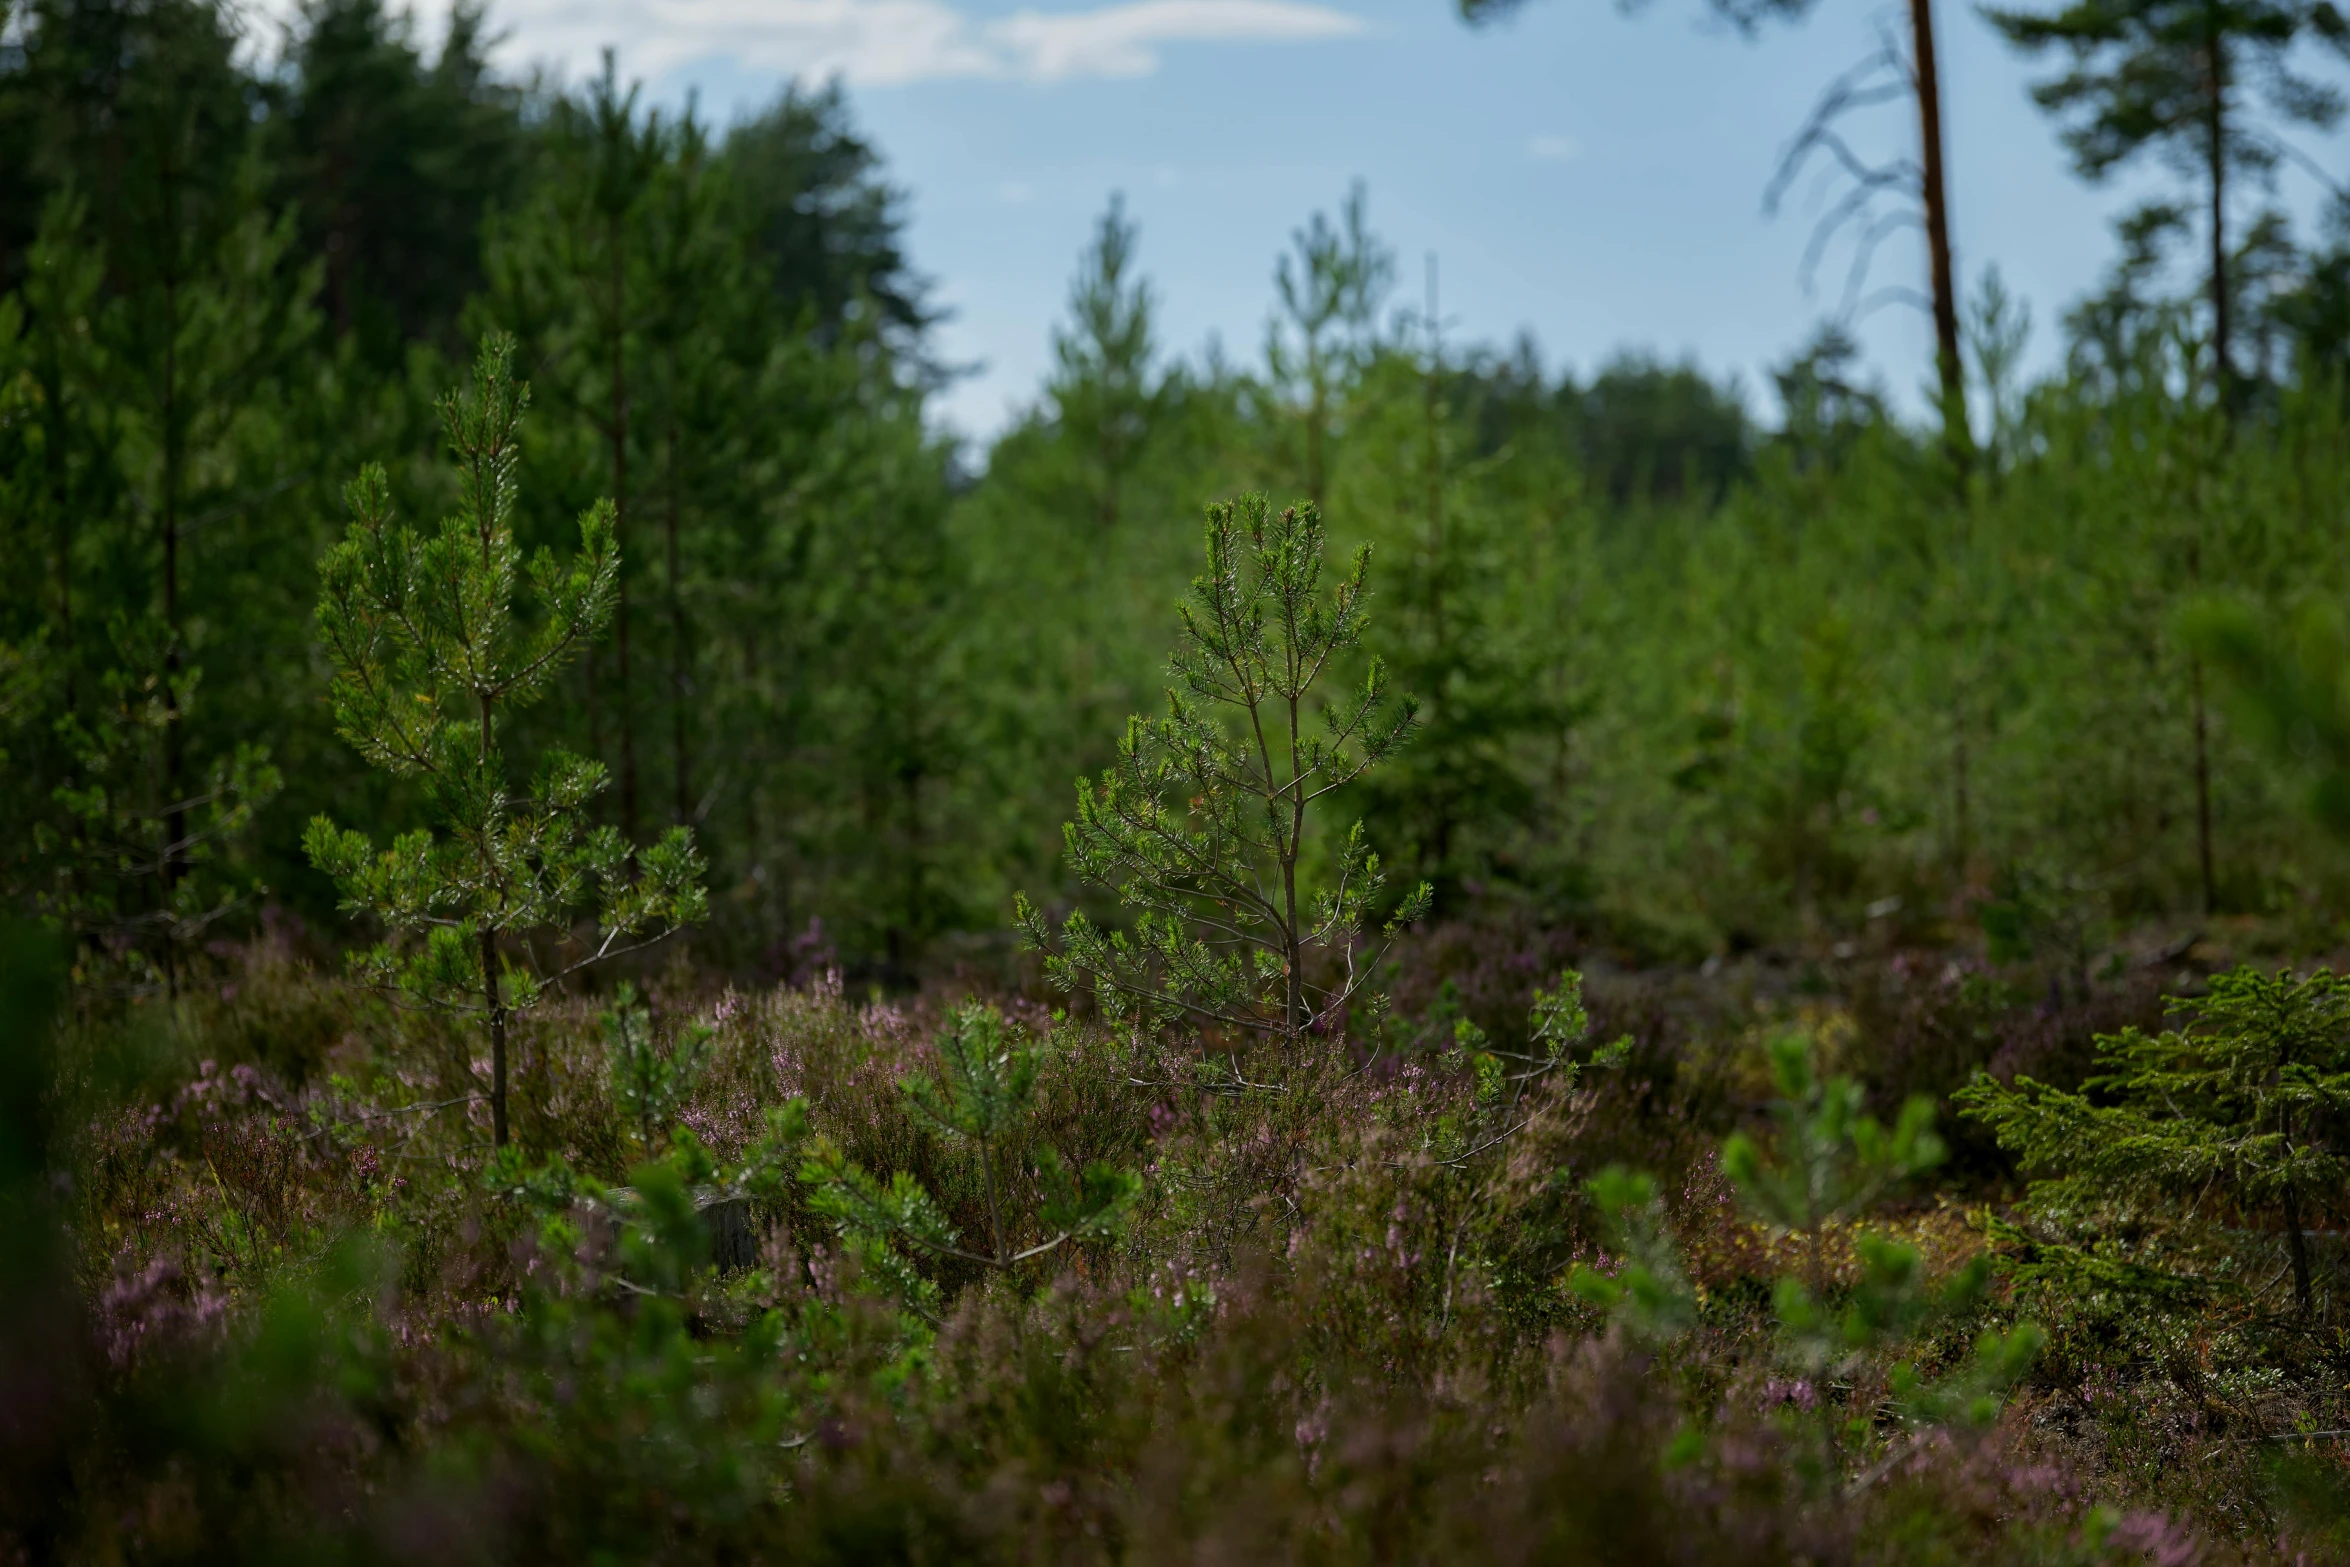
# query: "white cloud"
(886, 43)
(1123, 40)
(1553, 149)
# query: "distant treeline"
(1685, 680)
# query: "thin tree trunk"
(1933, 190)
(753, 839)
(588, 662)
(496, 996)
(995, 1213)
(338, 244)
(617, 425)
(2223, 367)
(171, 864)
(2299, 1244)
(2203, 790)
(1111, 451)
(916, 892)
(1315, 437)
(1961, 844)
(1432, 414)
(486, 938)
(53, 455)
(175, 753)
(1293, 935)
(679, 678)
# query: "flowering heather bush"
(310, 1315)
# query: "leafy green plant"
(1557, 1026)
(430, 659)
(1203, 825)
(982, 1092)
(2239, 1107)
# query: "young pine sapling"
(430, 658)
(982, 1092)
(1203, 824)
(1826, 1166)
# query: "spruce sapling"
(2241, 1106)
(430, 657)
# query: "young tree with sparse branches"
(1330, 285)
(1101, 388)
(431, 657)
(1203, 824)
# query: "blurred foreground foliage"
(933, 1280)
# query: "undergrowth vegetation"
(1256, 1236)
(946, 1279)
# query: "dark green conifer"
(2240, 1106)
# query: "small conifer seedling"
(430, 658)
(1202, 827)
(1826, 1164)
(982, 1093)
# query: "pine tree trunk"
(486, 949)
(754, 845)
(2223, 367)
(995, 1212)
(1961, 845)
(910, 779)
(1293, 953)
(679, 661)
(2203, 792)
(1933, 191)
(617, 426)
(496, 997)
(175, 751)
(61, 521)
(1316, 415)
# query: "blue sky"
(1591, 176)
